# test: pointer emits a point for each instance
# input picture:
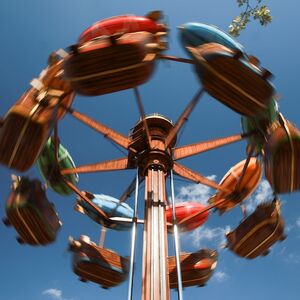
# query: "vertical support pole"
(155, 282)
(176, 239)
(133, 238)
(102, 236)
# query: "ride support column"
(155, 282)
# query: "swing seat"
(110, 206)
(109, 64)
(259, 126)
(122, 25)
(51, 173)
(28, 123)
(184, 210)
(258, 232)
(248, 184)
(232, 79)
(282, 157)
(31, 214)
(196, 268)
(99, 265)
(197, 34)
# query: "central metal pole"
(155, 285)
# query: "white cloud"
(202, 236)
(220, 276)
(288, 228)
(54, 294)
(201, 193)
(205, 236)
(293, 257)
(263, 193)
(294, 226)
(282, 251)
(195, 192)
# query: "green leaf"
(259, 12)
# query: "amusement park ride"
(120, 53)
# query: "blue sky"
(30, 30)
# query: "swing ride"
(121, 53)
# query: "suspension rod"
(176, 239)
(237, 186)
(177, 59)
(207, 208)
(133, 238)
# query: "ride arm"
(107, 132)
(142, 113)
(183, 118)
(196, 177)
(86, 199)
(108, 165)
(193, 149)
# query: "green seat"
(50, 171)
